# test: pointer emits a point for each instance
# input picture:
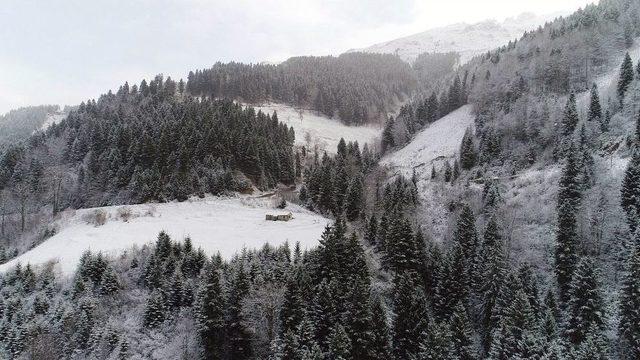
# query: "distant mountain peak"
(466, 39)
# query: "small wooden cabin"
(281, 217)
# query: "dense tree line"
(522, 91)
(151, 142)
(394, 292)
(356, 88)
(19, 124)
(424, 110)
(336, 184)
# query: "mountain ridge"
(466, 39)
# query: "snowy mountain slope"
(317, 130)
(432, 146)
(440, 141)
(225, 225)
(465, 39)
(51, 119)
(608, 82)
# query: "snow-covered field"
(225, 225)
(440, 141)
(313, 129)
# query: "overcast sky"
(65, 51)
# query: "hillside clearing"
(439, 141)
(225, 225)
(317, 130)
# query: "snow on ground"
(431, 147)
(313, 129)
(440, 141)
(52, 119)
(466, 39)
(608, 82)
(225, 225)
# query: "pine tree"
(237, 335)
(433, 172)
(342, 149)
(411, 317)
(209, 314)
(16, 339)
(300, 343)
(436, 343)
(358, 319)
(493, 270)
(630, 192)
(595, 110)
(509, 286)
(570, 117)
(566, 254)
(467, 151)
(594, 347)
(585, 307)
(529, 284)
(549, 325)
(163, 246)
(403, 251)
(388, 141)
(79, 287)
(380, 348)
(629, 328)
(339, 344)
(466, 237)
(341, 187)
(323, 311)
(292, 310)
(176, 290)
(551, 303)
(456, 96)
(626, 76)
(461, 334)
(454, 284)
(154, 312)
(326, 198)
(491, 196)
(355, 199)
(518, 335)
(109, 283)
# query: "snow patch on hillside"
(468, 40)
(52, 119)
(438, 142)
(432, 146)
(608, 82)
(225, 225)
(314, 130)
